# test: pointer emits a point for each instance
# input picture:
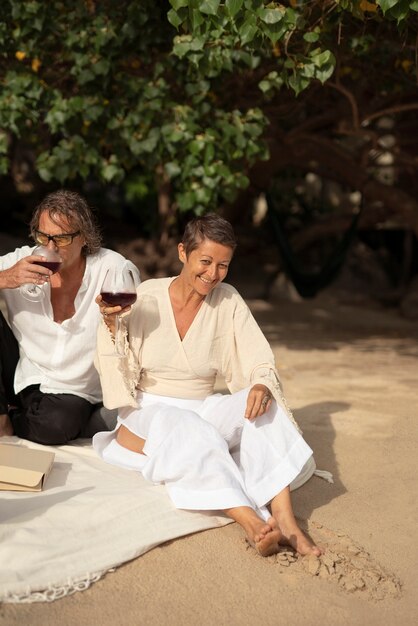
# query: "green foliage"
(173, 89)
(399, 10)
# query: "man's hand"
(23, 272)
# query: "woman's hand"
(258, 401)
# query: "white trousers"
(207, 454)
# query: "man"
(49, 386)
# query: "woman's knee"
(127, 439)
(193, 427)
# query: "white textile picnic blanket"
(89, 518)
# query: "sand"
(350, 373)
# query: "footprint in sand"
(343, 562)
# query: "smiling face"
(206, 266)
(71, 254)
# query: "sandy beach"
(350, 374)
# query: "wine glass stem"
(117, 337)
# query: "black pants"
(48, 418)
(9, 356)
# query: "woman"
(238, 452)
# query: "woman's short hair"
(74, 208)
(210, 226)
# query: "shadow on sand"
(318, 431)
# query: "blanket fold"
(89, 518)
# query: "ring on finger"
(265, 400)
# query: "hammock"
(309, 282)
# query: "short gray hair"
(210, 226)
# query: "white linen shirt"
(59, 357)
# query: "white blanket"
(90, 518)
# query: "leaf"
(271, 16)
(187, 43)
(62, 172)
(181, 48)
(174, 18)
(176, 136)
(203, 195)
(111, 172)
(4, 165)
(385, 5)
(186, 201)
(211, 181)
(298, 83)
(271, 81)
(209, 6)
(196, 146)
(150, 143)
(196, 19)
(177, 4)
(209, 154)
(233, 6)
(85, 77)
(4, 142)
(241, 180)
(311, 37)
(264, 85)
(101, 67)
(324, 65)
(401, 10)
(322, 58)
(248, 30)
(324, 73)
(45, 174)
(172, 169)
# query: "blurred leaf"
(271, 16)
(248, 30)
(177, 4)
(174, 18)
(385, 5)
(209, 6)
(172, 169)
(233, 6)
(311, 37)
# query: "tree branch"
(390, 111)
(351, 99)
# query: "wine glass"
(118, 289)
(52, 261)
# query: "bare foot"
(6, 427)
(264, 536)
(293, 536)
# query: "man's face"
(70, 254)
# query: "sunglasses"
(59, 240)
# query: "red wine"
(50, 265)
(121, 298)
